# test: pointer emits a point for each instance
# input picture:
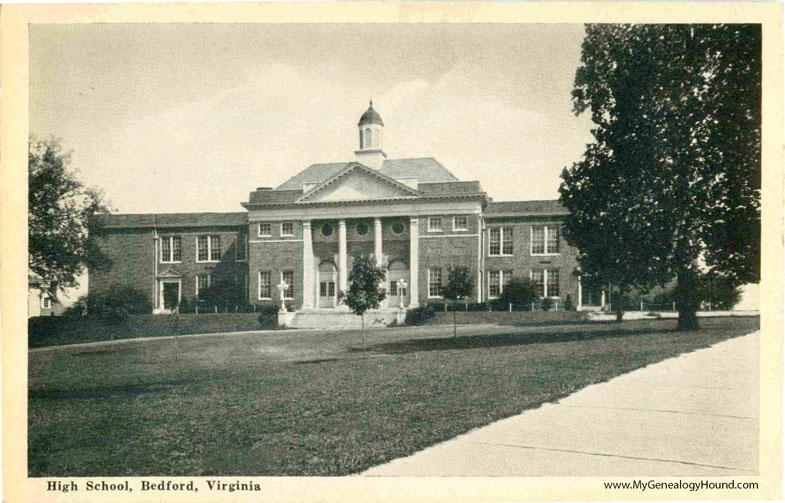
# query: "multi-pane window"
(545, 240)
(241, 247)
(171, 250)
(434, 282)
(460, 223)
(46, 303)
(500, 241)
(265, 284)
(546, 282)
(202, 283)
(494, 284)
(327, 289)
(287, 229)
(208, 248)
(288, 278)
(434, 224)
(497, 280)
(395, 291)
(265, 229)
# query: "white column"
(602, 302)
(414, 261)
(342, 255)
(377, 240)
(580, 294)
(308, 288)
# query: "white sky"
(191, 117)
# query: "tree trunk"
(687, 299)
(362, 321)
(454, 322)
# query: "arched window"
(367, 142)
(376, 138)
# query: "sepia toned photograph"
(384, 250)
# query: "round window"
(362, 229)
(398, 228)
(327, 230)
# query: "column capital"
(306, 223)
(342, 222)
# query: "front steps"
(342, 320)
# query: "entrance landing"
(338, 319)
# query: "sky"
(192, 117)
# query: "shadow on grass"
(128, 390)
(496, 340)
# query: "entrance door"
(171, 295)
(398, 270)
(327, 291)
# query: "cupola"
(371, 128)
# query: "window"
(265, 285)
(398, 228)
(287, 229)
(367, 142)
(327, 289)
(288, 277)
(215, 248)
(171, 250)
(494, 284)
(497, 280)
(395, 291)
(265, 229)
(546, 282)
(460, 223)
(434, 224)
(327, 230)
(46, 302)
(208, 248)
(202, 283)
(500, 241)
(434, 282)
(545, 240)
(241, 250)
(361, 229)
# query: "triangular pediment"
(356, 183)
(169, 273)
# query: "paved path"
(694, 415)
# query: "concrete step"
(339, 320)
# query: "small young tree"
(459, 286)
(365, 288)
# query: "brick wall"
(522, 261)
(131, 258)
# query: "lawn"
(308, 403)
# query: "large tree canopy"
(62, 216)
(670, 186)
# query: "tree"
(63, 217)
(518, 292)
(670, 186)
(365, 288)
(459, 286)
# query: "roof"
(371, 116)
(175, 219)
(513, 208)
(424, 169)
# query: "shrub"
(519, 292)
(568, 304)
(419, 315)
(268, 315)
(115, 305)
(78, 308)
(546, 304)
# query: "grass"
(59, 330)
(294, 403)
(508, 318)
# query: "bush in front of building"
(520, 292)
(420, 315)
(568, 306)
(268, 316)
(546, 304)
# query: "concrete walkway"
(693, 415)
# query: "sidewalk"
(694, 415)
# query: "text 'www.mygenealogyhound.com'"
(681, 485)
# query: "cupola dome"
(371, 116)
